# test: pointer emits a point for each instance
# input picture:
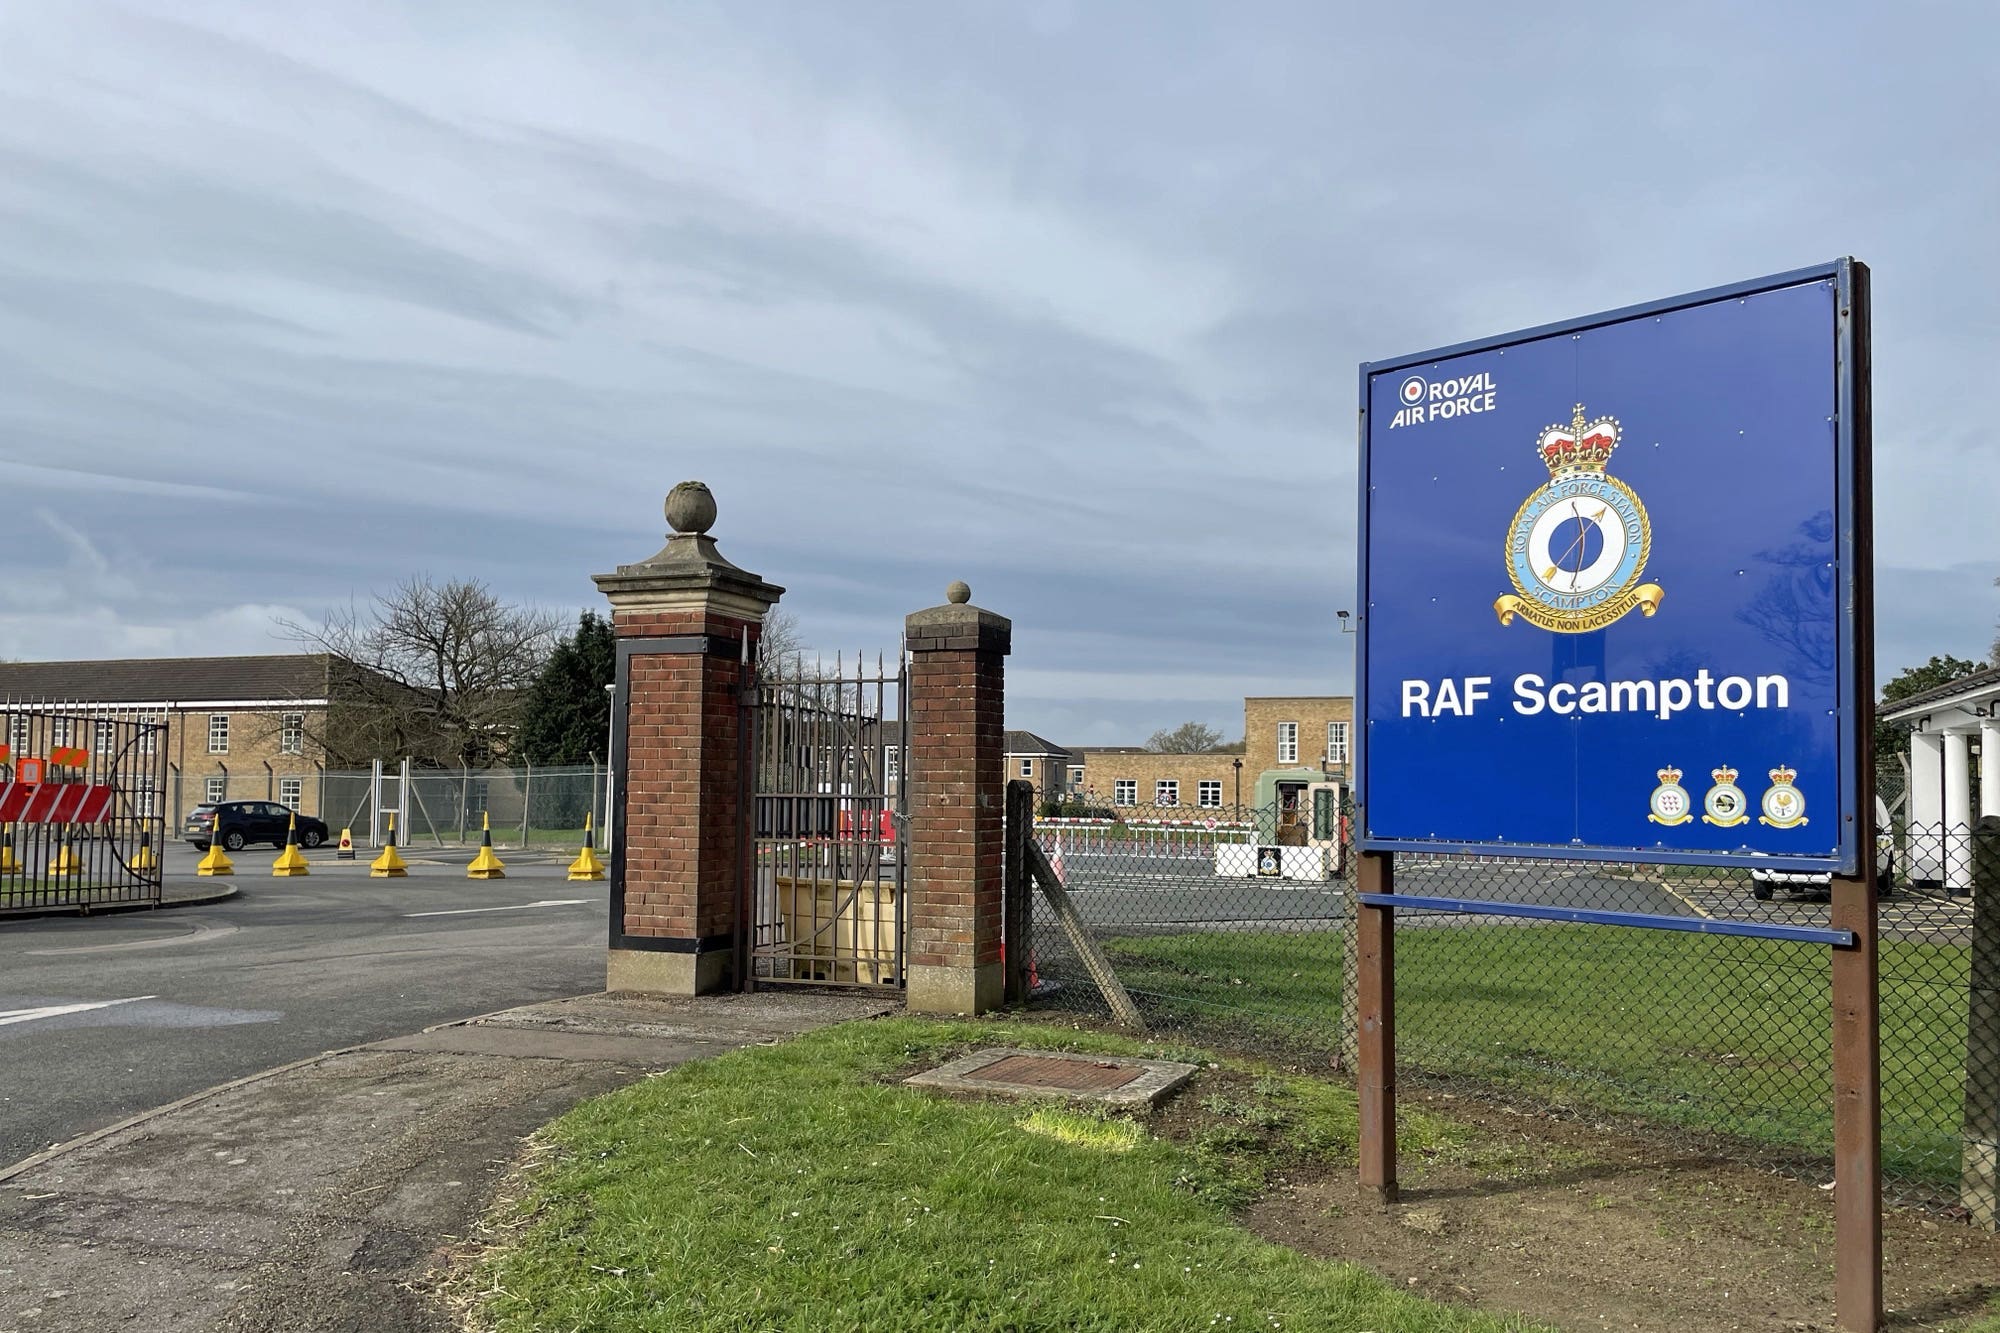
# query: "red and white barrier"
(56, 803)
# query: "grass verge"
(1708, 1033)
(799, 1186)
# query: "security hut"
(1950, 726)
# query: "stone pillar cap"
(688, 567)
(958, 625)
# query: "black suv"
(236, 823)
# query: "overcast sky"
(1065, 300)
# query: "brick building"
(238, 728)
(1291, 745)
(1030, 758)
(1133, 778)
(1293, 738)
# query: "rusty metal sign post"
(1698, 605)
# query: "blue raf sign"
(1607, 575)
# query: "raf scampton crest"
(1578, 545)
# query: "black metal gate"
(82, 819)
(826, 879)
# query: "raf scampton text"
(1460, 696)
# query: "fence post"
(464, 795)
(957, 709)
(1375, 1017)
(1979, 1180)
(527, 797)
(1020, 829)
(687, 623)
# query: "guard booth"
(1303, 837)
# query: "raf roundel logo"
(1412, 391)
(1578, 545)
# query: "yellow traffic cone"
(345, 851)
(388, 865)
(146, 858)
(65, 861)
(10, 864)
(586, 865)
(291, 861)
(217, 861)
(486, 865)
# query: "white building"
(1950, 726)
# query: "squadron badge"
(1784, 804)
(1670, 800)
(1725, 806)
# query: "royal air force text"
(1461, 696)
(1445, 399)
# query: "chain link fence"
(529, 806)
(1226, 934)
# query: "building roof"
(273, 678)
(1027, 742)
(1957, 691)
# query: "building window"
(1076, 775)
(21, 735)
(150, 729)
(142, 800)
(290, 791)
(1288, 742)
(58, 732)
(218, 733)
(1027, 768)
(292, 733)
(892, 763)
(1336, 742)
(1125, 791)
(1166, 792)
(107, 737)
(1209, 794)
(218, 787)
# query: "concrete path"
(315, 1197)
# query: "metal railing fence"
(529, 806)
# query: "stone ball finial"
(690, 508)
(959, 593)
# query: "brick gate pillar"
(956, 805)
(687, 623)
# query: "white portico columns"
(1989, 766)
(1926, 810)
(1957, 812)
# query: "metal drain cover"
(1112, 1080)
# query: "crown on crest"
(1724, 776)
(1669, 776)
(1782, 775)
(1579, 447)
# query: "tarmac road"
(107, 1016)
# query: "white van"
(1763, 883)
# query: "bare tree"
(431, 670)
(781, 644)
(1187, 738)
